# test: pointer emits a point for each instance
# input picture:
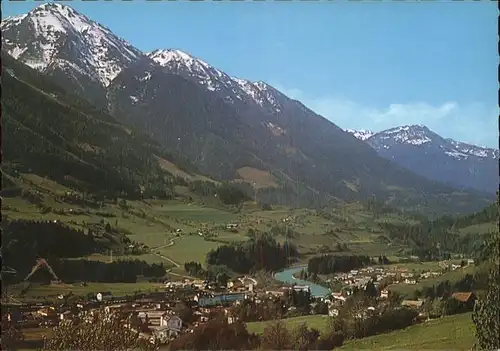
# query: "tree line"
(120, 271)
(258, 253)
(26, 241)
(328, 264)
(228, 193)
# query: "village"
(385, 276)
(152, 314)
(156, 316)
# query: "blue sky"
(362, 65)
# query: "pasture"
(41, 292)
(319, 322)
(155, 222)
(447, 333)
(188, 248)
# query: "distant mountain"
(426, 153)
(229, 128)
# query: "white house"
(105, 296)
(172, 322)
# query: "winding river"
(286, 276)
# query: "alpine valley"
(180, 111)
(150, 201)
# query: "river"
(286, 276)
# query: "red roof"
(462, 296)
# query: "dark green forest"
(23, 242)
(54, 134)
(260, 253)
(328, 264)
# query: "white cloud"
(473, 123)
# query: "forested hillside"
(57, 135)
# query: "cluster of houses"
(152, 314)
(240, 284)
(360, 277)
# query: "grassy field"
(315, 321)
(49, 292)
(154, 223)
(149, 258)
(188, 248)
(447, 333)
(194, 213)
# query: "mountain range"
(424, 152)
(227, 128)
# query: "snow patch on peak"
(360, 134)
(420, 135)
(474, 150)
(164, 56)
(234, 88)
(259, 96)
(262, 85)
(12, 20)
(53, 32)
(179, 62)
(413, 135)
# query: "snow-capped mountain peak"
(231, 88)
(360, 134)
(420, 136)
(54, 35)
(424, 152)
(409, 134)
(164, 57)
(184, 64)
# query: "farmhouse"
(467, 298)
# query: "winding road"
(153, 251)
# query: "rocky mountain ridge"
(424, 152)
(220, 123)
